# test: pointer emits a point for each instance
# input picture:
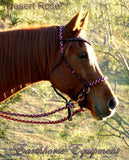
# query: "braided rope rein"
(2, 114)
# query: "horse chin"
(102, 116)
(93, 113)
(96, 116)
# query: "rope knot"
(69, 106)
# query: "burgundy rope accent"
(61, 39)
(97, 81)
(43, 122)
(38, 115)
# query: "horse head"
(78, 74)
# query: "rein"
(81, 95)
(40, 115)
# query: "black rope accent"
(85, 99)
(62, 57)
(74, 72)
(77, 39)
(69, 114)
(59, 94)
(68, 104)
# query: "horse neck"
(25, 57)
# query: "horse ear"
(73, 27)
(84, 21)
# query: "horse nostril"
(112, 103)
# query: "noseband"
(82, 94)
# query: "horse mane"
(24, 56)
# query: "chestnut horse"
(30, 55)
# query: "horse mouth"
(99, 115)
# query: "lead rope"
(2, 114)
(68, 106)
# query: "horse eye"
(83, 55)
